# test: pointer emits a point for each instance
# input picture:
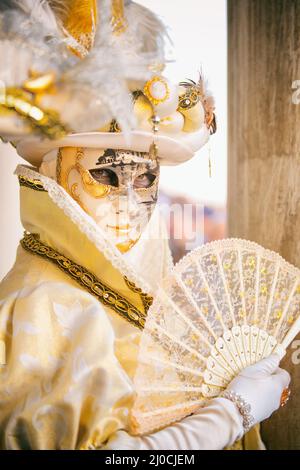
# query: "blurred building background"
(263, 154)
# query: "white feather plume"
(150, 33)
(31, 28)
(36, 10)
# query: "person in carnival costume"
(84, 101)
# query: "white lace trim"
(86, 225)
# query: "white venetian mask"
(117, 188)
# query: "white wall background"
(10, 227)
(198, 30)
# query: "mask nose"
(127, 203)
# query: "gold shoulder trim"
(146, 298)
(33, 184)
(110, 298)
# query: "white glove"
(219, 424)
(261, 386)
(213, 427)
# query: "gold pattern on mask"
(91, 186)
(149, 190)
(69, 159)
(75, 195)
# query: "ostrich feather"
(37, 11)
(150, 33)
(33, 25)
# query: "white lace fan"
(226, 305)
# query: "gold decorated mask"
(117, 188)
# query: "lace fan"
(226, 305)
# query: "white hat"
(171, 151)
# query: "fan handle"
(291, 334)
(280, 350)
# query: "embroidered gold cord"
(104, 293)
(146, 298)
(33, 184)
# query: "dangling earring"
(153, 151)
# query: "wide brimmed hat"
(171, 150)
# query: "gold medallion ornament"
(191, 97)
(195, 93)
(157, 90)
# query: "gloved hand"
(219, 424)
(261, 386)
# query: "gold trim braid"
(146, 298)
(110, 298)
(32, 184)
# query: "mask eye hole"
(144, 180)
(105, 176)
